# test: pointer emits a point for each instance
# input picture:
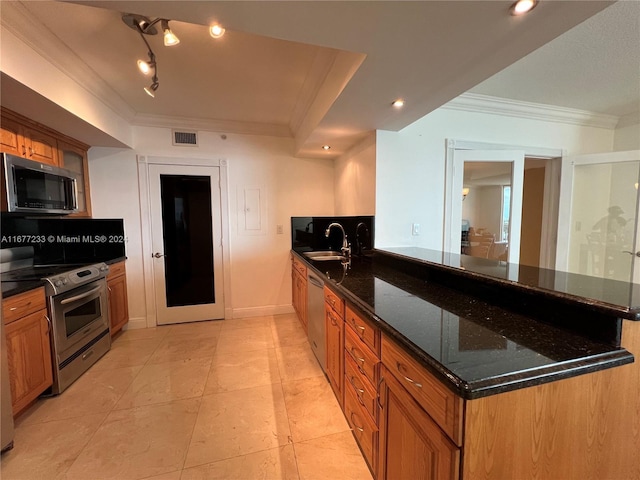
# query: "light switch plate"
(415, 229)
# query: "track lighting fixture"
(145, 26)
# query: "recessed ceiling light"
(398, 103)
(216, 31)
(326, 147)
(522, 6)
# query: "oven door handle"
(81, 296)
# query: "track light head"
(170, 39)
(151, 90)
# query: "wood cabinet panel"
(364, 328)
(365, 431)
(40, 146)
(23, 304)
(29, 358)
(11, 137)
(299, 292)
(364, 392)
(444, 406)
(364, 358)
(411, 445)
(299, 266)
(334, 326)
(74, 158)
(334, 301)
(118, 299)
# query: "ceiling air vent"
(189, 139)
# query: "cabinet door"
(75, 159)
(411, 445)
(11, 140)
(40, 146)
(29, 358)
(118, 308)
(335, 351)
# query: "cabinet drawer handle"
(355, 424)
(401, 367)
(13, 309)
(359, 359)
(333, 320)
(331, 301)
(360, 328)
(352, 382)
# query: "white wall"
(627, 138)
(410, 165)
(355, 179)
(260, 266)
(113, 173)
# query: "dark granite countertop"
(475, 347)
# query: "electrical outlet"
(279, 229)
(415, 229)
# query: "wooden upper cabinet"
(74, 158)
(11, 137)
(40, 146)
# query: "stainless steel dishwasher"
(315, 317)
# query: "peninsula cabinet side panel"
(581, 428)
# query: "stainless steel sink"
(324, 255)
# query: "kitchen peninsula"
(480, 377)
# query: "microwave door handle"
(81, 296)
(75, 195)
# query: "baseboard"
(262, 311)
(135, 323)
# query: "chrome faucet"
(346, 248)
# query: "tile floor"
(234, 399)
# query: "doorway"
(185, 257)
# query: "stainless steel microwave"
(37, 188)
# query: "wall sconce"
(465, 192)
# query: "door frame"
(549, 236)
(145, 219)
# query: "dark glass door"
(188, 239)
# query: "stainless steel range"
(79, 309)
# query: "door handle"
(637, 254)
(157, 255)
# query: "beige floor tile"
(331, 457)
(274, 464)
(166, 476)
(138, 443)
(232, 323)
(166, 382)
(287, 331)
(181, 347)
(126, 354)
(238, 423)
(237, 370)
(96, 391)
(297, 362)
(46, 450)
(245, 339)
(207, 328)
(312, 409)
(157, 334)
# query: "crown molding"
(473, 102)
(17, 19)
(227, 126)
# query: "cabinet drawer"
(364, 392)
(438, 401)
(365, 330)
(365, 360)
(334, 301)
(23, 304)
(116, 270)
(363, 428)
(299, 266)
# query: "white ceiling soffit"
(322, 71)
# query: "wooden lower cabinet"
(334, 325)
(411, 445)
(118, 300)
(29, 358)
(299, 290)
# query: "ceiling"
(326, 72)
